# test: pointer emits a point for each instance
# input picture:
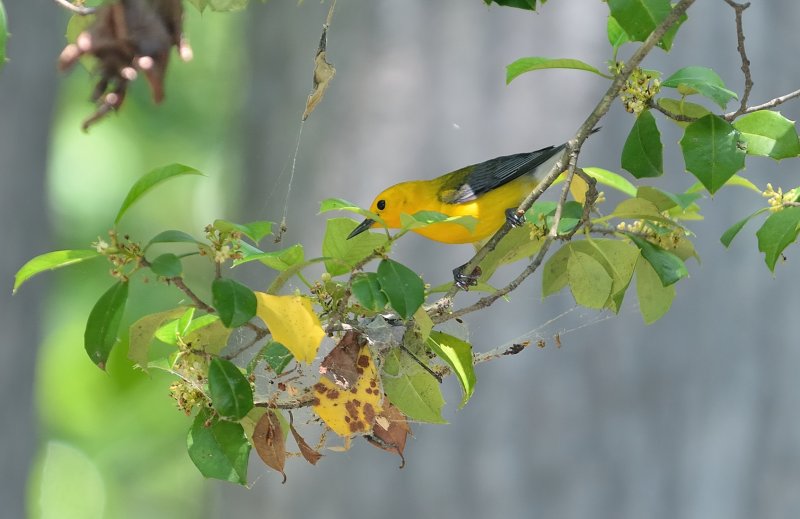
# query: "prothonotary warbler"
(489, 191)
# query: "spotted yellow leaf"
(292, 323)
(351, 411)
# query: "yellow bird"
(489, 191)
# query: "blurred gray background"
(695, 416)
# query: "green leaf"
(681, 107)
(642, 155)
(403, 287)
(185, 321)
(219, 451)
(51, 261)
(367, 290)
(425, 218)
(666, 41)
(638, 18)
(768, 134)
(103, 323)
(735, 180)
(424, 323)
(167, 265)
(285, 275)
(611, 179)
(617, 257)
(458, 355)
(141, 333)
(211, 338)
(171, 236)
(344, 253)
(702, 80)
(411, 388)
(711, 151)
(516, 245)
(523, 65)
(279, 260)
(234, 302)
(151, 180)
(230, 390)
(570, 216)
(616, 34)
(3, 35)
(253, 230)
(529, 5)
(168, 333)
(639, 209)
(664, 200)
(778, 231)
(588, 281)
(338, 204)
(543, 214)
(655, 299)
(669, 267)
(274, 354)
(728, 236)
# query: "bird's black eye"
(381, 205)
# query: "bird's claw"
(464, 281)
(514, 218)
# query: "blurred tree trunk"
(27, 89)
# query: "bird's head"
(389, 204)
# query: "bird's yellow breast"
(488, 208)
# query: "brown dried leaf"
(269, 443)
(390, 431)
(340, 364)
(351, 411)
(125, 37)
(311, 455)
(323, 71)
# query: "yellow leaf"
(292, 323)
(351, 411)
(578, 189)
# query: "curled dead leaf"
(390, 431)
(323, 71)
(310, 454)
(269, 443)
(128, 36)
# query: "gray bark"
(27, 92)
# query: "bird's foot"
(463, 280)
(514, 218)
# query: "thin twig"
(199, 303)
(748, 80)
(765, 106)
(564, 193)
(77, 9)
(494, 296)
(675, 117)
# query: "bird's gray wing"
(470, 182)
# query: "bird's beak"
(363, 226)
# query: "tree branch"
(748, 80)
(765, 106)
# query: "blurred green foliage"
(112, 444)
